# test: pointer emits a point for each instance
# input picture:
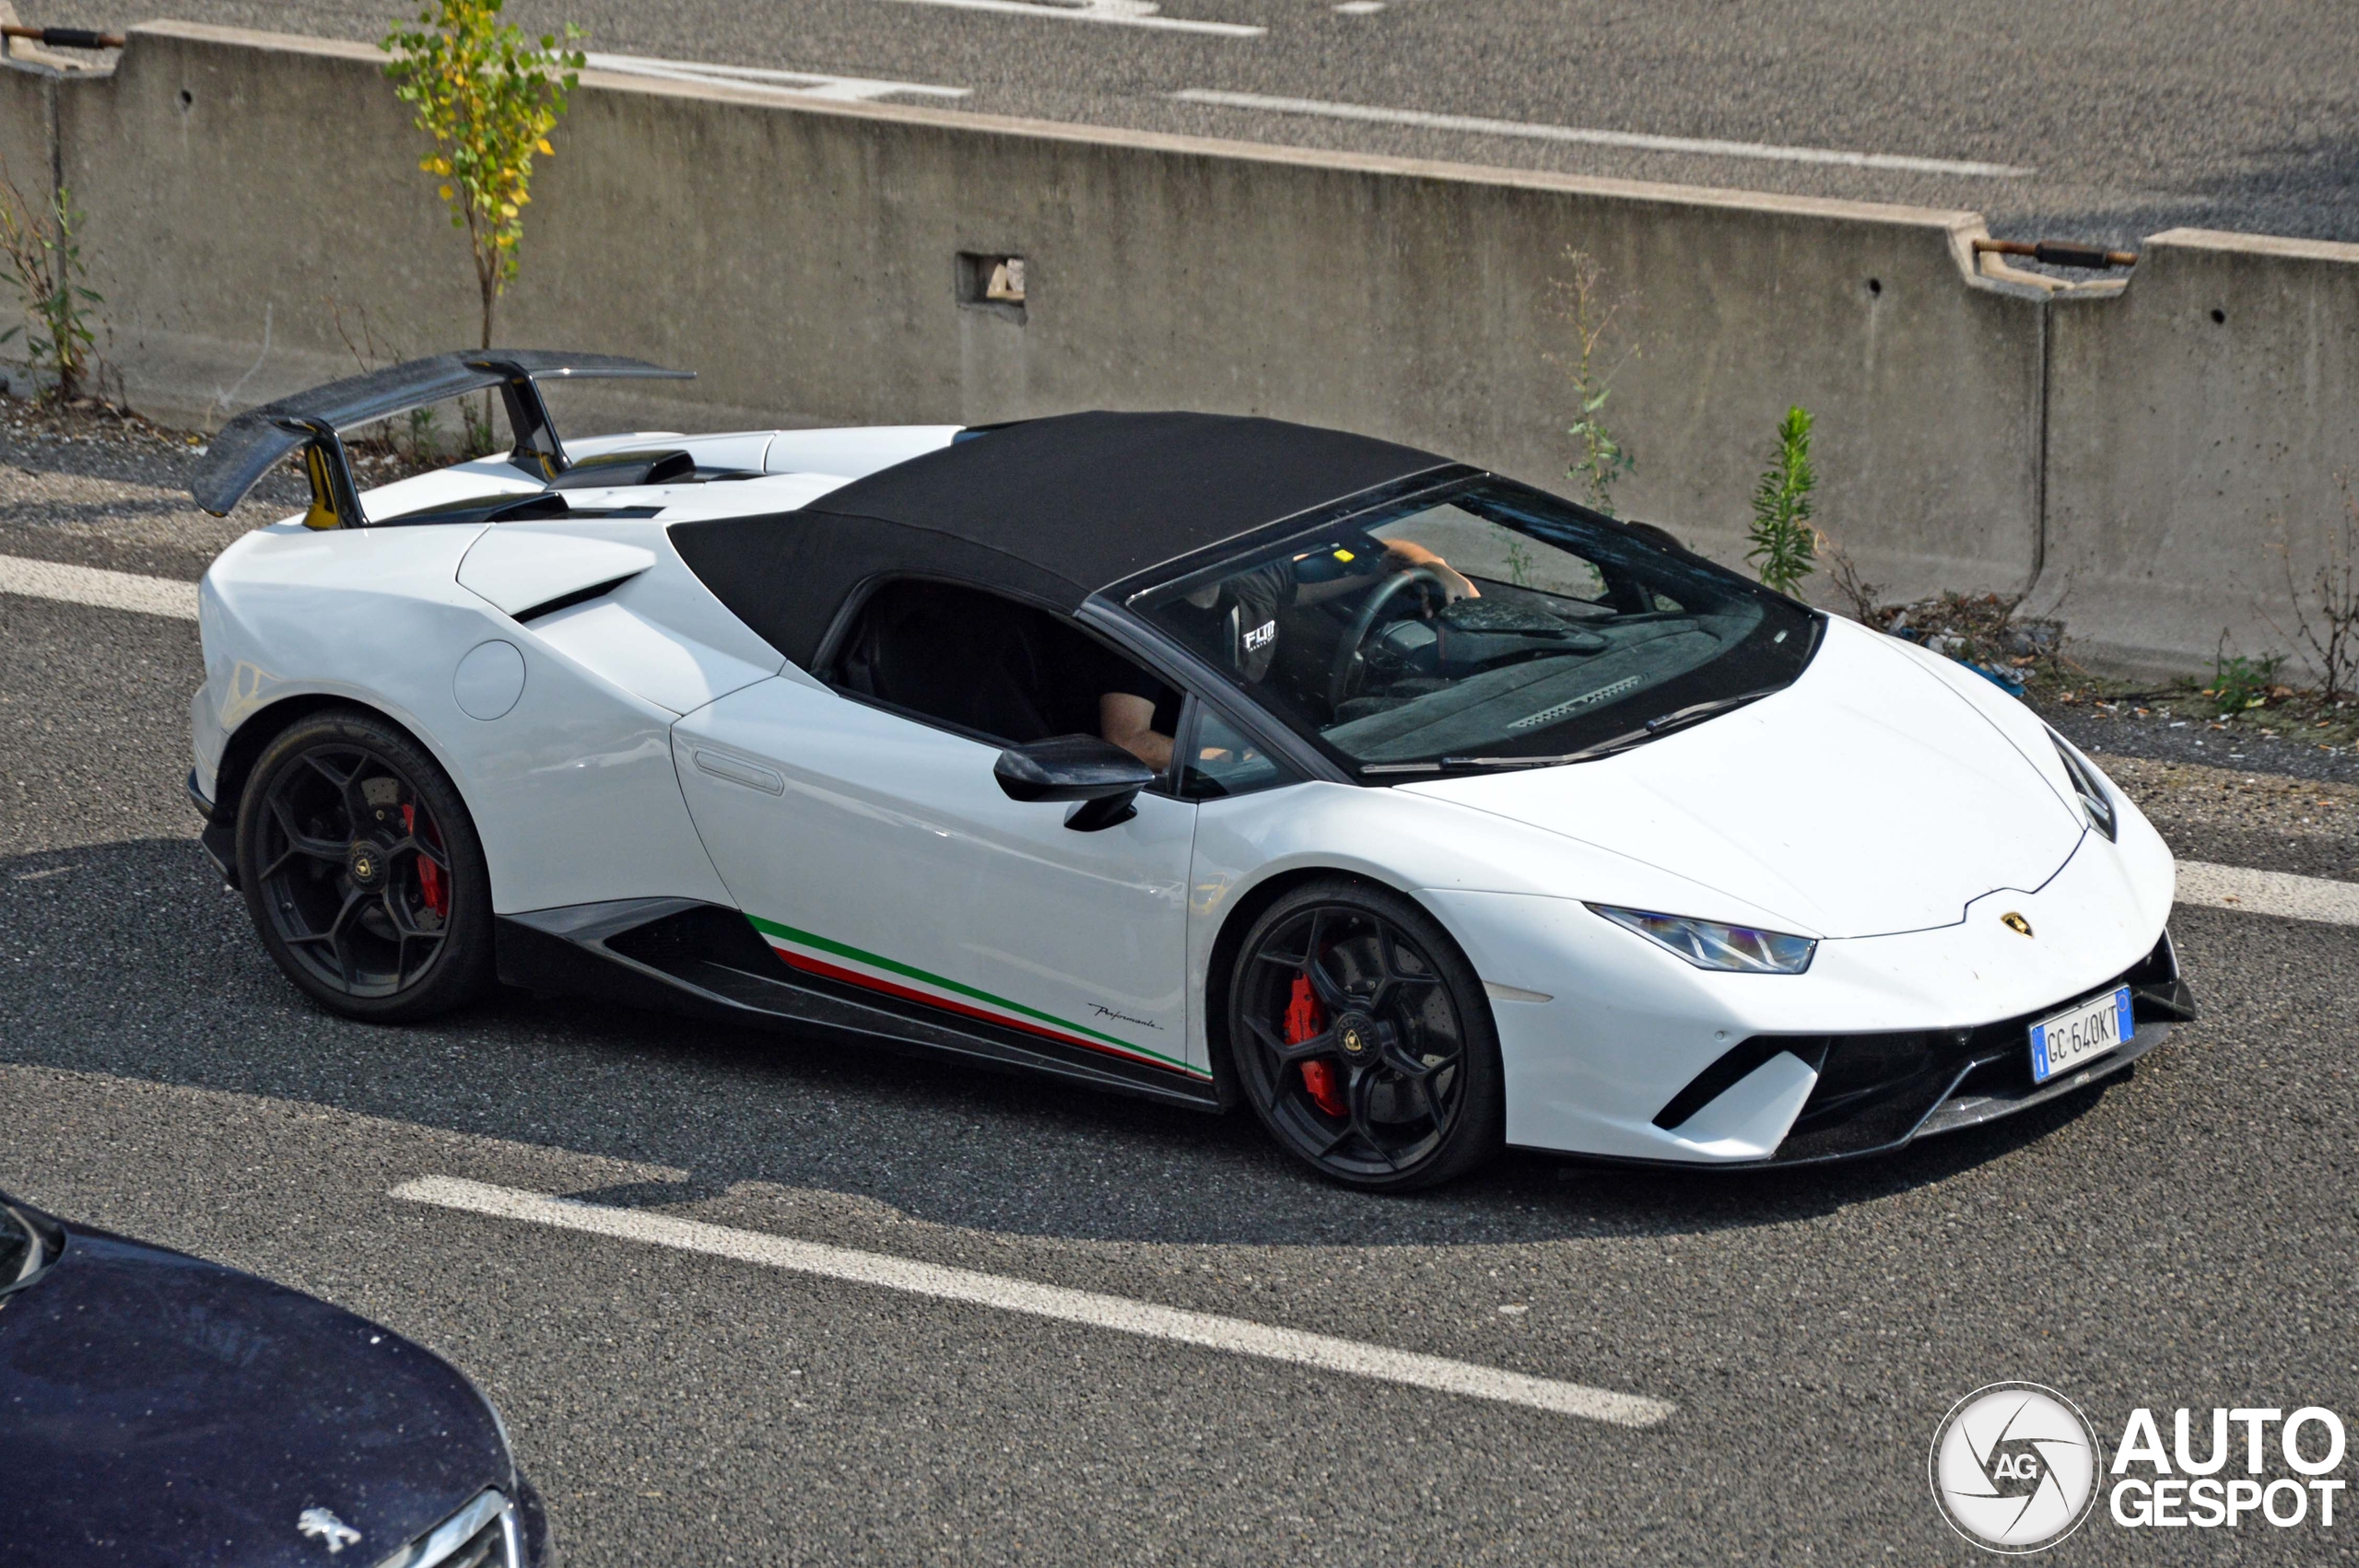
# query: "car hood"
(157, 1408)
(1868, 798)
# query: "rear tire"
(1362, 1039)
(363, 872)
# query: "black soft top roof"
(1053, 509)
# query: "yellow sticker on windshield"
(1344, 554)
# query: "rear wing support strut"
(538, 450)
(335, 497)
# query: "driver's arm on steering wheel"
(1401, 554)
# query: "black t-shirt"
(1240, 632)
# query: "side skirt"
(679, 956)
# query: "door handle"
(737, 771)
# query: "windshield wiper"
(1661, 724)
(1679, 717)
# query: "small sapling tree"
(1782, 536)
(489, 97)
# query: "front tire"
(1364, 1040)
(363, 872)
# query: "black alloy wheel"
(362, 870)
(1364, 1039)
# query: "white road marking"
(1089, 1308)
(1643, 142)
(1122, 13)
(106, 590)
(795, 84)
(2280, 894)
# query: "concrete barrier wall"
(2199, 427)
(255, 201)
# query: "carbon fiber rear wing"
(247, 446)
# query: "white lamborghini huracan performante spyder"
(1204, 758)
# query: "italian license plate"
(2076, 1034)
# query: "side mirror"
(1099, 774)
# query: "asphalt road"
(2183, 1238)
(2133, 115)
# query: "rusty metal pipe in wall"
(2058, 254)
(63, 37)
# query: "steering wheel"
(1347, 652)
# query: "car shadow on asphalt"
(130, 959)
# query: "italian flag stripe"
(785, 940)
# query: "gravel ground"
(94, 489)
(2164, 736)
(2272, 821)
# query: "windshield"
(1493, 627)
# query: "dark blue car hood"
(157, 1408)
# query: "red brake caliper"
(429, 875)
(1305, 1019)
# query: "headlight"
(2089, 784)
(484, 1534)
(1710, 945)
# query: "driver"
(1238, 616)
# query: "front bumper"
(219, 838)
(1874, 1093)
(1604, 1034)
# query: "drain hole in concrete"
(1875, 286)
(2219, 318)
(992, 282)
